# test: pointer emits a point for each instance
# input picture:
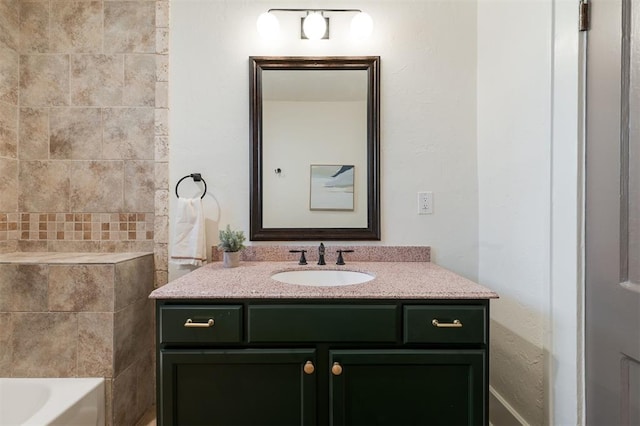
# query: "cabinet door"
(407, 387)
(237, 387)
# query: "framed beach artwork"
(331, 187)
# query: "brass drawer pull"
(454, 324)
(336, 369)
(309, 368)
(191, 324)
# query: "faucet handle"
(303, 259)
(340, 260)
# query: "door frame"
(565, 358)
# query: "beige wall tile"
(129, 26)
(145, 384)
(161, 277)
(72, 246)
(76, 27)
(161, 148)
(161, 229)
(124, 398)
(124, 335)
(162, 122)
(108, 395)
(133, 281)
(144, 318)
(75, 133)
(162, 202)
(44, 80)
(128, 133)
(162, 94)
(9, 75)
(8, 116)
(9, 23)
(23, 288)
(44, 186)
(100, 188)
(8, 143)
(162, 176)
(139, 191)
(162, 14)
(162, 67)
(96, 79)
(34, 134)
(81, 288)
(34, 27)
(8, 130)
(139, 80)
(28, 245)
(44, 344)
(8, 185)
(162, 41)
(95, 344)
(6, 348)
(127, 246)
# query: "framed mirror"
(315, 148)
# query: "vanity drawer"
(201, 324)
(445, 324)
(322, 323)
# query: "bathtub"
(40, 402)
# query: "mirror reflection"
(315, 148)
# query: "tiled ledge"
(68, 258)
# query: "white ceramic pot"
(230, 259)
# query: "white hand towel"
(189, 242)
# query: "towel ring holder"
(197, 177)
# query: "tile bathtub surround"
(83, 124)
(81, 315)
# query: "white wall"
(529, 185)
(479, 105)
(428, 129)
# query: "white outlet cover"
(425, 202)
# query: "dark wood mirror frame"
(372, 65)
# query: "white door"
(612, 340)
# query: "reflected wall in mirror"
(308, 112)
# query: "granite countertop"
(393, 280)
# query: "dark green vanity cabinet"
(321, 362)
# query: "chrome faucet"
(321, 255)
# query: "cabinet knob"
(309, 368)
(336, 369)
(190, 324)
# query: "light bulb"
(314, 26)
(361, 25)
(268, 26)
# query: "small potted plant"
(231, 244)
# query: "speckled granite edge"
(391, 280)
(360, 253)
(68, 258)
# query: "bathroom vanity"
(236, 347)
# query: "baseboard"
(501, 413)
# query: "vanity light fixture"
(315, 25)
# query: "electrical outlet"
(425, 202)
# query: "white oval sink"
(322, 278)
